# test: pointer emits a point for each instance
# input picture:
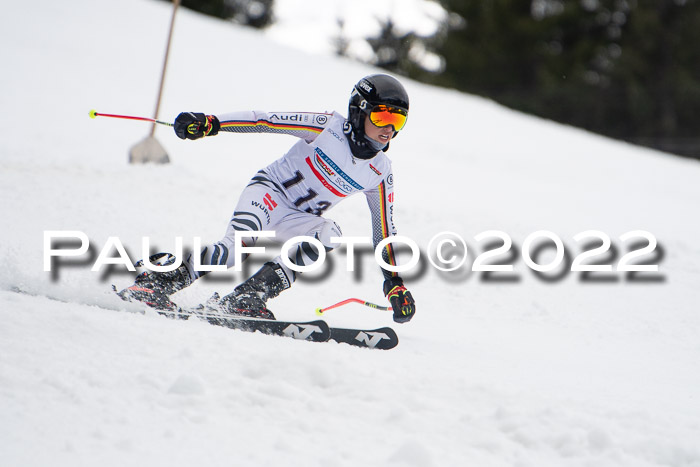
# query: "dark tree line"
(629, 69)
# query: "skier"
(334, 158)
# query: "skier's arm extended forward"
(304, 125)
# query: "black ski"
(314, 331)
(382, 338)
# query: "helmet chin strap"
(360, 145)
(376, 144)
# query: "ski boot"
(249, 298)
(154, 288)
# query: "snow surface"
(519, 372)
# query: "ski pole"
(320, 311)
(94, 113)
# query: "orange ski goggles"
(385, 115)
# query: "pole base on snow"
(148, 150)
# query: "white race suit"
(291, 195)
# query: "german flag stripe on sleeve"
(385, 223)
(243, 125)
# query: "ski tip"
(319, 311)
(93, 113)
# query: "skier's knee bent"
(328, 230)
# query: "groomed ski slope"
(518, 372)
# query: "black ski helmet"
(374, 90)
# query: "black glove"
(189, 125)
(401, 300)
